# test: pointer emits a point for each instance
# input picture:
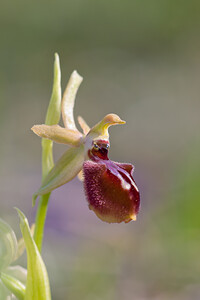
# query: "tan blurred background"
(141, 60)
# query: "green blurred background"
(141, 60)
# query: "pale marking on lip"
(125, 185)
(115, 170)
(132, 182)
(135, 186)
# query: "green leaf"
(37, 286)
(8, 245)
(13, 285)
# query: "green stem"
(52, 118)
(40, 220)
(47, 164)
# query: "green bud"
(18, 272)
(13, 285)
(8, 245)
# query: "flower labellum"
(109, 186)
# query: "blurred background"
(141, 60)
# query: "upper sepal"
(69, 99)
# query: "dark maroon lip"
(111, 191)
(109, 186)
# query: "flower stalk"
(68, 135)
(52, 118)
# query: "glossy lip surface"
(109, 186)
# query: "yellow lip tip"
(133, 217)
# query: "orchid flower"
(109, 186)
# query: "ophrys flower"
(109, 186)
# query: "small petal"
(58, 134)
(84, 125)
(111, 191)
(69, 99)
(67, 167)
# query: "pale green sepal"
(37, 285)
(8, 245)
(13, 285)
(54, 108)
(67, 167)
(69, 99)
